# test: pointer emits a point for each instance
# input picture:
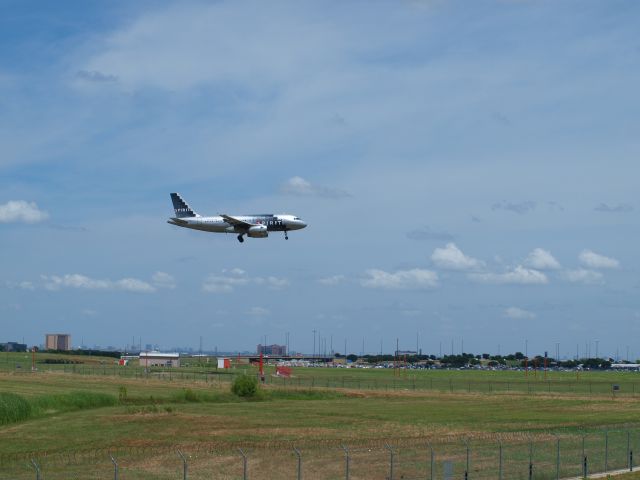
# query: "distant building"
(400, 353)
(57, 341)
(13, 347)
(272, 349)
(159, 359)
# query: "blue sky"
(468, 170)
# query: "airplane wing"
(236, 222)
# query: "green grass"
(73, 416)
(13, 408)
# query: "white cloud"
(190, 45)
(582, 275)
(333, 280)
(163, 280)
(229, 280)
(452, 258)
(272, 282)
(518, 313)
(595, 260)
(300, 186)
(258, 312)
(21, 211)
(541, 260)
(518, 276)
(401, 280)
(520, 207)
(20, 285)
(76, 280)
(134, 285)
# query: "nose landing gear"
(240, 239)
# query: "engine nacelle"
(258, 231)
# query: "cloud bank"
(400, 280)
(16, 211)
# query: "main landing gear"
(240, 239)
(286, 237)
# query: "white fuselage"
(274, 223)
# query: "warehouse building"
(271, 349)
(13, 347)
(159, 359)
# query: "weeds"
(13, 408)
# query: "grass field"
(77, 418)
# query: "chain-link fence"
(620, 384)
(508, 456)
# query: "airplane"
(254, 226)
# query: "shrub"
(245, 386)
(190, 395)
(13, 408)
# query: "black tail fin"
(181, 208)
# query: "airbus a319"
(254, 226)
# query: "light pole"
(314, 343)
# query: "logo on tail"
(181, 208)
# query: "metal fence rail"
(512, 457)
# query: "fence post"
(115, 467)
(606, 451)
(244, 464)
(184, 465)
(530, 459)
(499, 459)
(466, 468)
(585, 467)
(37, 468)
(557, 456)
(432, 463)
(299, 455)
(347, 460)
(629, 451)
(388, 447)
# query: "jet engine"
(258, 231)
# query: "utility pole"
(314, 343)
(597, 342)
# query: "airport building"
(13, 347)
(57, 341)
(271, 349)
(159, 359)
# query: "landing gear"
(286, 237)
(240, 239)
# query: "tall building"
(272, 349)
(57, 341)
